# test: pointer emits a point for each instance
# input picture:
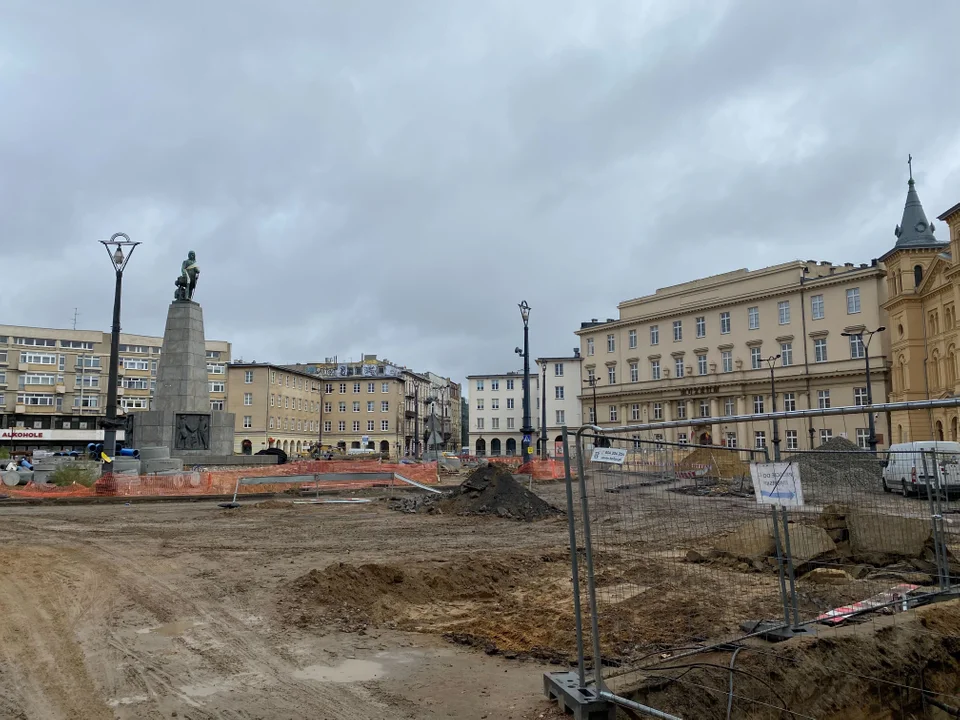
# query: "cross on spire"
(910, 165)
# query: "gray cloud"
(394, 177)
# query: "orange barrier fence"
(224, 482)
(540, 469)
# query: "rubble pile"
(837, 464)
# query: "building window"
(356, 387)
(760, 439)
(343, 388)
(342, 425)
(327, 426)
(479, 423)
(753, 318)
(755, 359)
(731, 440)
(494, 423)
(213, 368)
(247, 421)
(701, 364)
(342, 406)
(792, 440)
(816, 307)
(853, 301)
(677, 330)
(823, 399)
(356, 426)
(789, 401)
(729, 406)
(384, 425)
(613, 413)
(634, 372)
(786, 354)
(510, 403)
(271, 417)
(558, 392)
(758, 404)
(724, 323)
(681, 410)
(286, 402)
(494, 384)
(356, 406)
(494, 403)
(271, 395)
(857, 349)
(248, 376)
(370, 406)
(92, 401)
(480, 385)
(371, 387)
(678, 367)
(859, 396)
(371, 425)
(726, 361)
(328, 407)
(591, 417)
(825, 435)
(658, 411)
(654, 334)
(216, 404)
(820, 350)
(783, 312)
(561, 417)
(612, 375)
(863, 437)
(681, 438)
(510, 422)
(611, 343)
(385, 387)
(655, 369)
(704, 408)
(384, 406)
(558, 369)
(589, 346)
(632, 339)
(510, 384)
(635, 411)
(213, 355)
(479, 403)
(248, 398)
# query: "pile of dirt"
(725, 464)
(271, 505)
(491, 490)
(835, 465)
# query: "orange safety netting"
(224, 482)
(539, 469)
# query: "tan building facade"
(704, 348)
(362, 404)
(53, 382)
(923, 284)
(274, 407)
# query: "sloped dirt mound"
(491, 490)
(834, 466)
(723, 464)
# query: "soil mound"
(721, 464)
(835, 465)
(491, 490)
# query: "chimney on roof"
(832, 269)
(576, 352)
(848, 265)
(594, 320)
(610, 320)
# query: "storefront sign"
(703, 390)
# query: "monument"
(181, 419)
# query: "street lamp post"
(592, 381)
(527, 430)
(543, 413)
(872, 437)
(118, 241)
(772, 362)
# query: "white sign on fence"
(777, 483)
(615, 456)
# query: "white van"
(910, 467)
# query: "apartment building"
(274, 407)
(53, 383)
(496, 412)
(446, 408)
(362, 403)
(560, 388)
(417, 406)
(704, 349)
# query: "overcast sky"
(394, 176)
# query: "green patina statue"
(187, 282)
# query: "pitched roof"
(914, 230)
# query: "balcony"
(409, 413)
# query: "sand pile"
(722, 464)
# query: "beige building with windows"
(496, 413)
(362, 404)
(704, 348)
(53, 382)
(274, 406)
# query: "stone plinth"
(181, 418)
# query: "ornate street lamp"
(527, 429)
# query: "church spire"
(914, 230)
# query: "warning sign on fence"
(777, 484)
(616, 456)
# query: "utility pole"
(543, 413)
(865, 346)
(526, 430)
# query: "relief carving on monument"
(192, 432)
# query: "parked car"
(910, 467)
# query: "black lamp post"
(118, 241)
(527, 430)
(872, 437)
(772, 362)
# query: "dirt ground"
(276, 610)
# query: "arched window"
(511, 446)
(495, 447)
(481, 447)
(917, 275)
(935, 372)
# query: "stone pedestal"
(181, 418)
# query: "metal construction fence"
(683, 552)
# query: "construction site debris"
(837, 463)
(489, 490)
(719, 463)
